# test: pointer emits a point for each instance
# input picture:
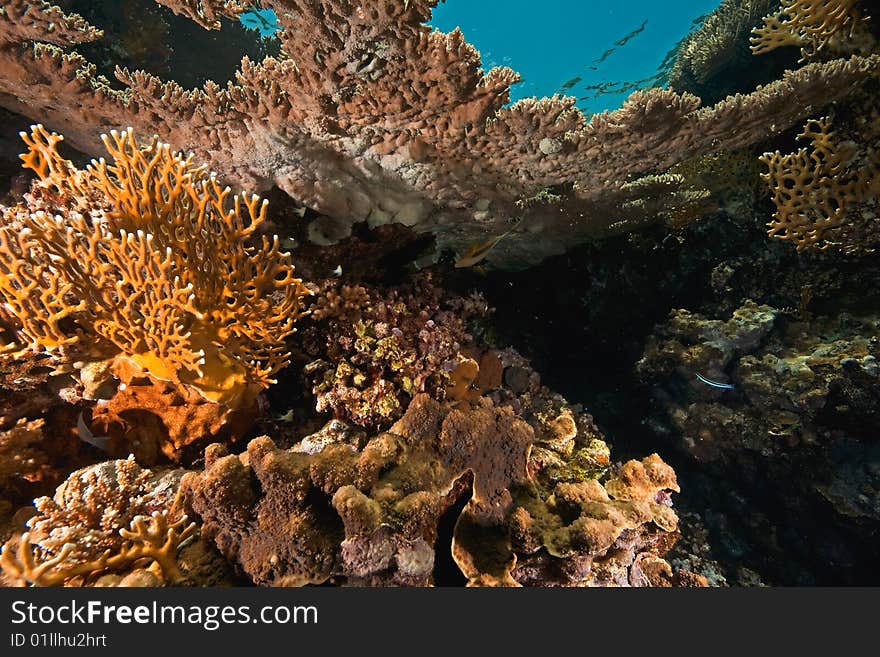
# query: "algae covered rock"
(374, 515)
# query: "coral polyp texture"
(206, 13)
(111, 518)
(717, 45)
(373, 351)
(147, 258)
(368, 115)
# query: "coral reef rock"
(373, 515)
(798, 422)
(108, 524)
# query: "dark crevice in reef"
(584, 319)
(138, 35)
(446, 571)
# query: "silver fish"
(715, 384)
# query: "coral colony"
(179, 406)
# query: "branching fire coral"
(811, 25)
(826, 196)
(146, 258)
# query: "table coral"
(368, 115)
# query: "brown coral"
(267, 509)
(582, 527)
(370, 116)
(20, 453)
(389, 496)
(206, 13)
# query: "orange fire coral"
(825, 197)
(811, 25)
(145, 259)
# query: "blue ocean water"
(596, 50)
(552, 43)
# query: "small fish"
(716, 384)
(86, 435)
(632, 34)
(338, 271)
(570, 83)
(478, 252)
(604, 56)
(257, 20)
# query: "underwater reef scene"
(292, 294)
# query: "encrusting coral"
(798, 426)
(373, 350)
(370, 116)
(113, 517)
(522, 471)
(144, 264)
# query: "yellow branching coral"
(147, 258)
(150, 538)
(825, 196)
(810, 25)
(111, 517)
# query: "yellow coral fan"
(147, 257)
(827, 196)
(810, 25)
